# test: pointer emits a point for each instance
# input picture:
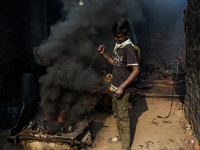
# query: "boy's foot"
(114, 139)
(126, 148)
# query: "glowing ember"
(60, 116)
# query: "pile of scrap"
(167, 81)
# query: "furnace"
(35, 133)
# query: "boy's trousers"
(121, 114)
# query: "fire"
(60, 116)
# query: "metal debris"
(172, 140)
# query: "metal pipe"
(160, 95)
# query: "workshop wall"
(192, 99)
(23, 26)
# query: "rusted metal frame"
(85, 126)
(47, 139)
(31, 104)
(160, 95)
(15, 138)
(161, 82)
(52, 138)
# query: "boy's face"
(120, 37)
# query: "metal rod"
(93, 61)
(160, 95)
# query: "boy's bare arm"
(102, 51)
(130, 79)
(108, 58)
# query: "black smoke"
(72, 43)
(71, 47)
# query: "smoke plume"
(72, 45)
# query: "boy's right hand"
(101, 49)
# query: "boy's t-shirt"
(124, 58)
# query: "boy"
(125, 70)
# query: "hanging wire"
(174, 86)
(93, 61)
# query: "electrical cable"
(174, 81)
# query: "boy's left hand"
(119, 92)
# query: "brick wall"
(192, 99)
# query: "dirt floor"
(148, 131)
